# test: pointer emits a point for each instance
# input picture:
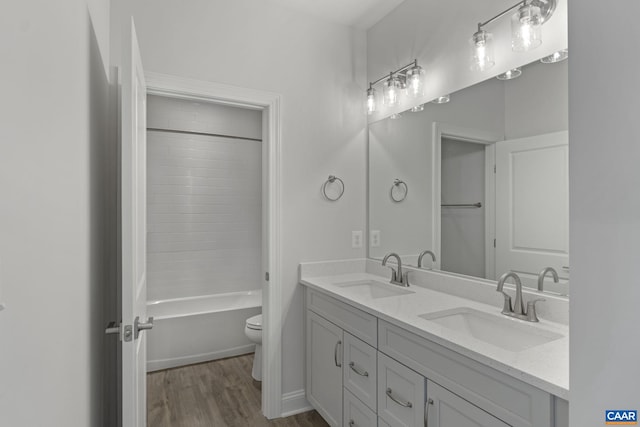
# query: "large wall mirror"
(481, 181)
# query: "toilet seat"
(255, 322)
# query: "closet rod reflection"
(464, 205)
(203, 134)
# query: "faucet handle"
(531, 310)
(507, 308)
(405, 278)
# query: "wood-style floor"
(219, 393)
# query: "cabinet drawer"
(356, 322)
(356, 413)
(359, 370)
(514, 402)
(401, 394)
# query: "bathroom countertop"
(544, 366)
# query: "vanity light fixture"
(526, 25)
(409, 79)
(417, 108)
(442, 99)
(510, 75)
(395, 116)
(558, 56)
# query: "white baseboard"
(157, 365)
(294, 403)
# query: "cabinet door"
(401, 394)
(324, 368)
(445, 409)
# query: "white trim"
(269, 103)
(459, 133)
(294, 403)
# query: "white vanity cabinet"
(365, 371)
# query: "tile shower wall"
(204, 199)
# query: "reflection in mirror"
(488, 179)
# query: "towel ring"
(331, 180)
(402, 187)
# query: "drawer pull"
(427, 405)
(399, 402)
(352, 365)
(335, 354)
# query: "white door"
(532, 205)
(133, 235)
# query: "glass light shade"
(526, 28)
(558, 56)
(482, 51)
(510, 75)
(395, 116)
(417, 108)
(415, 81)
(441, 99)
(391, 91)
(371, 100)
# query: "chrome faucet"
(433, 257)
(518, 311)
(397, 277)
(542, 275)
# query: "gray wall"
(53, 167)
(604, 150)
(319, 69)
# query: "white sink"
(500, 331)
(373, 289)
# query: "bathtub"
(199, 329)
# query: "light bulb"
(526, 28)
(442, 99)
(415, 81)
(558, 56)
(391, 91)
(481, 51)
(417, 108)
(371, 100)
(510, 75)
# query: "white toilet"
(253, 331)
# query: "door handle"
(140, 326)
(427, 405)
(335, 354)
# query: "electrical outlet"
(356, 239)
(375, 238)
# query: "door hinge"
(266, 276)
(494, 243)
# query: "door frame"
(442, 130)
(269, 103)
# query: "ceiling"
(361, 14)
